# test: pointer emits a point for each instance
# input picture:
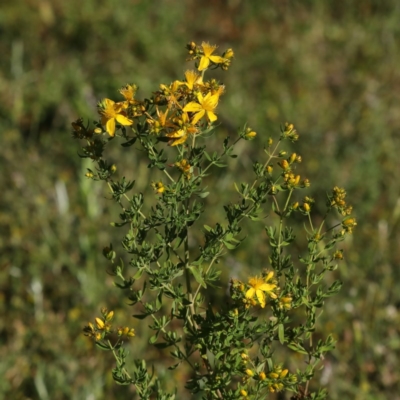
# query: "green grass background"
(329, 67)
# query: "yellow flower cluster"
(291, 180)
(103, 327)
(158, 187)
(175, 111)
(289, 132)
(185, 167)
(275, 380)
(337, 200)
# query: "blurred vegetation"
(331, 68)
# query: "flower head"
(259, 287)
(129, 91)
(185, 127)
(112, 112)
(205, 106)
(207, 57)
(192, 78)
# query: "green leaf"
(198, 276)
(138, 274)
(298, 348)
(174, 366)
(281, 333)
(153, 339)
(129, 142)
(139, 316)
(102, 346)
(203, 195)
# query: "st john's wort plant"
(229, 349)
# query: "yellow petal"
(197, 117)
(269, 276)
(208, 49)
(179, 141)
(123, 120)
(217, 59)
(176, 134)
(261, 297)
(193, 107)
(250, 293)
(110, 127)
(267, 287)
(204, 63)
(211, 116)
(108, 103)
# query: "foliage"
(230, 350)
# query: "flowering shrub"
(229, 349)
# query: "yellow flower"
(111, 112)
(158, 125)
(180, 135)
(185, 167)
(205, 106)
(129, 91)
(192, 77)
(260, 287)
(158, 187)
(172, 94)
(208, 57)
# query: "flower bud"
(131, 333)
(284, 164)
(228, 54)
(292, 158)
(110, 316)
(283, 373)
(99, 323)
(338, 255)
(250, 134)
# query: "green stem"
(187, 271)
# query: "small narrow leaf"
(197, 275)
(281, 333)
